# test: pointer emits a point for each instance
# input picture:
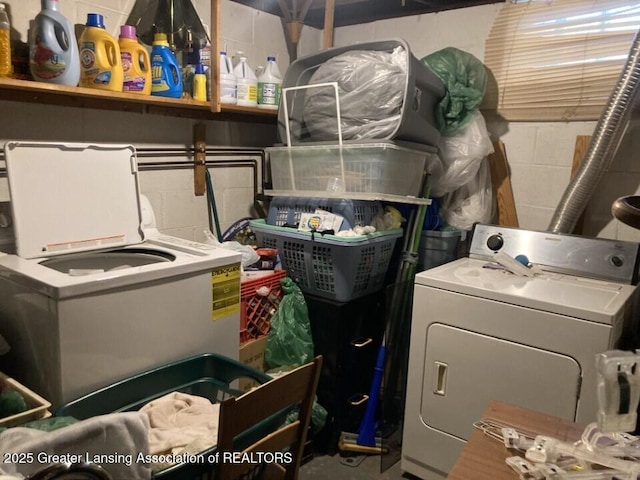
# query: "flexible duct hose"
(603, 147)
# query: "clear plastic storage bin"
(353, 170)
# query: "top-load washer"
(479, 334)
(94, 292)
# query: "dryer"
(94, 292)
(481, 333)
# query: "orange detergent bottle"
(100, 62)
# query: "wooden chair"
(297, 387)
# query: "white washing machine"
(94, 292)
(480, 334)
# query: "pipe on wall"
(603, 147)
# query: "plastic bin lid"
(69, 198)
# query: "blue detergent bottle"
(166, 77)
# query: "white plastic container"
(247, 84)
(53, 49)
(270, 85)
(228, 81)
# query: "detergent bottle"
(53, 49)
(247, 84)
(166, 77)
(100, 60)
(270, 85)
(136, 63)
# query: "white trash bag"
(461, 156)
(471, 203)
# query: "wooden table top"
(483, 457)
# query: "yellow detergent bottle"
(136, 63)
(100, 61)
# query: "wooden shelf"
(51, 94)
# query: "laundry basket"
(208, 375)
(287, 210)
(330, 266)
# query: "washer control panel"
(571, 254)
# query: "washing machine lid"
(72, 197)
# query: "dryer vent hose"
(603, 147)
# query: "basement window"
(557, 60)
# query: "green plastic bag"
(318, 417)
(289, 342)
(465, 79)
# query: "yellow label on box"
(225, 291)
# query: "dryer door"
(465, 370)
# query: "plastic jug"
(100, 60)
(136, 63)
(166, 77)
(53, 48)
(228, 81)
(5, 43)
(247, 84)
(270, 85)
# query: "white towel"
(116, 440)
(182, 423)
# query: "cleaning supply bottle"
(270, 85)
(53, 48)
(166, 77)
(205, 59)
(100, 60)
(200, 84)
(190, 57)
(247, 84)
(5, 43)
(228, 82)
(136, 63)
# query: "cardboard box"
(252, 354)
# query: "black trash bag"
(289, 342)
(465, 79)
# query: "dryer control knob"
(495, 242)
(617, 261)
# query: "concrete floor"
(334, 468)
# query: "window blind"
(556, 60)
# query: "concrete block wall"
(178, 211)
(539, 154)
